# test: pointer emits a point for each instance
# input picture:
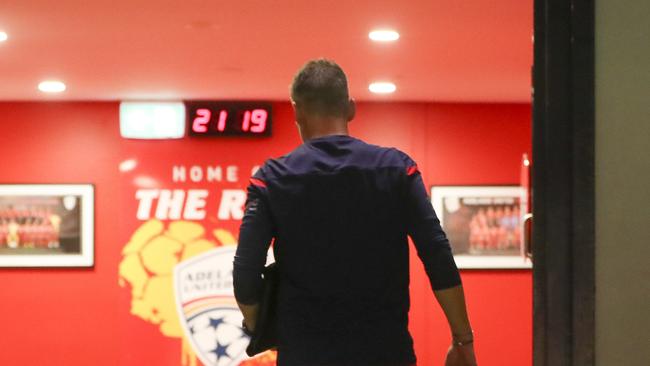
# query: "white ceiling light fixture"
(3, 36)
(51, 86)
(384, 35)
(382, 87)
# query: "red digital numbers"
(221, 124)
(230, 121)
(201, 120)
(246, 123)
(256, 118)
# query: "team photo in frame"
(484, 224)
(46, 225)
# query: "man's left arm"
(434, 250)
(255, 235)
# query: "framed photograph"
(46, 225)
(484, 224)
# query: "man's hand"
(250, 313)
(461, 356)
(452, 302)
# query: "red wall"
(80, 316)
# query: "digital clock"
(228, 118)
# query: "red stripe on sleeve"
(258, 182)
(412, 170)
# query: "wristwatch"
(462, 340)
(462, 343)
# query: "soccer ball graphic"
(147, 267)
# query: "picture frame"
(47, 225)
(484, 224)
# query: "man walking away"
(339, 211)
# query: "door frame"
(563, 183)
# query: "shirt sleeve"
(255, 235)
(424, 228)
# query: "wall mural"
(185, 219)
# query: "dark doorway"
(563, 183)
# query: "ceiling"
(458, 51)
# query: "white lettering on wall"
(214, 173)
(170, 204)
(231, 173)
(145, 198)
(194, 207)
(211, 173)
(178, 174)
(196, 173)
(232, 204)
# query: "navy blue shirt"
(338, 211)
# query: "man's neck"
(325, 128)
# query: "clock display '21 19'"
(229, 118)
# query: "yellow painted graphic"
(147, 266)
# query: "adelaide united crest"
(208, 312)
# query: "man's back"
(341, 245)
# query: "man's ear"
(298, 113)
(352, 110)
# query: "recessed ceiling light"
(51, 86)
(384, 35)
(3, 36)
(382, 87)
